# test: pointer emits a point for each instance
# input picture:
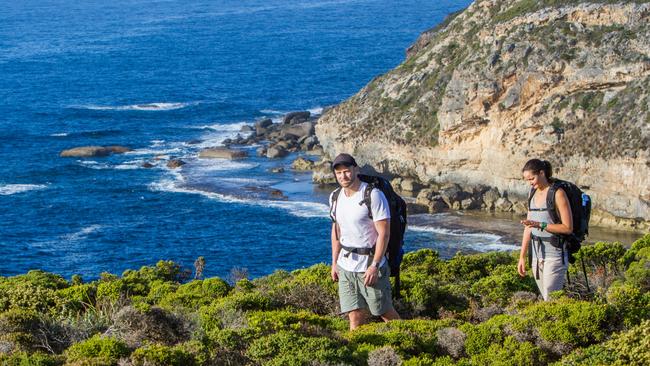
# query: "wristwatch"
(375, 264)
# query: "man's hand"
(335, 273)
(521, 267)
(370, 277)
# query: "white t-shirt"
(357, 229)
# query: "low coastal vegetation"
(468, 310)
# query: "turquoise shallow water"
(156, 75)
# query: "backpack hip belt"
(555, 241)
(360, 251)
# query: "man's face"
(345, 175)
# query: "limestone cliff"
(508, 80)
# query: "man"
(359, 245)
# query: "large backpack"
(580, 204)
(397, 206)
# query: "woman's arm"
(565, 226)
(525, 241)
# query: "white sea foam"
(153, 151)
(246, 181)
(316, 111)
(299, 209)
(271, 111)
(441, 231)
(130, 165)
(482, 242)
(62, 134)
(9, 189)
(210, 165)
(157, 106)
(82, 234)
(231, 127)
(94, 164)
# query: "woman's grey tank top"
(540, 214)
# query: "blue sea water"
(168, 78)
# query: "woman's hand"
(521, 267)
(531, 224)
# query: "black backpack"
(580, 204)
(397, 206)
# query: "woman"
(550, 257)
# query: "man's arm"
(383, 235)
(336, 249)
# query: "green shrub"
(501, 284)
(27, 295)
(628, 348)
(154, 325)
(20, 328)
(638, 272)
(630, 255)
(160, 289)
(196, 293)
(228, 311)
(310, 289)
(406, 337)
(160, 355)
(136, 283)
(426, 261)
(603, 255)
(34, 359)
(472, 268)
(76, 298)
(629, 304)
(265, 322)
(511, 352)
(105, 349)
(288, 348)
(566, 321)
(480, 337)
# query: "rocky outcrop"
(222, 153)
(175, 163)
(296, 133)
(93, 151)
(302, 164)
(505, 81)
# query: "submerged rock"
(222, 153)
(275, 152)
(93, 151)
(175, 163)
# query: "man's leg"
(357, 318)
(390, 315)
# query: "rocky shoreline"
(296, 134)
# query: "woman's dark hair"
(536, 166)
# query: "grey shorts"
(353, 295)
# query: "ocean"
(168, 78)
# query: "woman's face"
(535, 179)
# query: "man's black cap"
(345, 159)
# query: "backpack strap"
(367, 200)
(335, 197)
(530, 199)
(550, 202)
(531, 194)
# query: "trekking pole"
(397, 286)
(584, 271)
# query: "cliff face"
(505, 81)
